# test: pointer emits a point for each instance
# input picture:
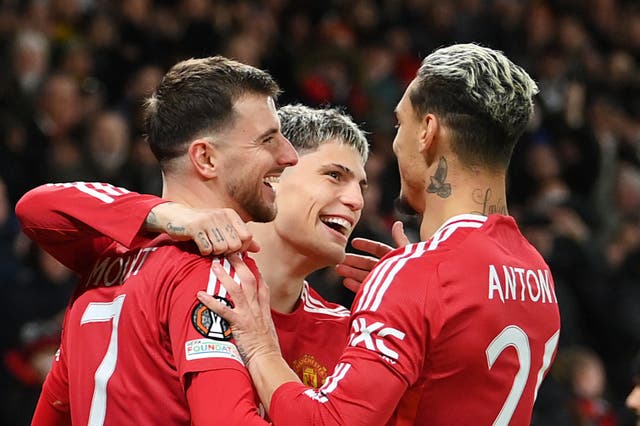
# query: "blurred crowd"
(75, 74)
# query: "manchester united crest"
(310, 371)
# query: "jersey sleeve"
(206, 357)
(70, 218)
(222, 397)
(200, 339)
(383, 357)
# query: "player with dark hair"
(137, 346)
(458, 329)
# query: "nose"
(352, 196)
(287, 155)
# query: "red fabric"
(434, 332)
(313, 336)
(231, 402)
(50, 411)
(75, 222)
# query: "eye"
(334, 175)
(269, 139)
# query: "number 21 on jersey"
(513, 335)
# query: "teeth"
(343, 223)
(271, 179)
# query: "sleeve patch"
(207, 348)
(210, 324)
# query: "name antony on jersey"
(515, 283)
(115, 270)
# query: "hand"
(355, 267)
(250, 318)
(215, 231)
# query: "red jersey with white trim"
(458, 330)
(312, 336)
(134, 330)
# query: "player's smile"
(340, 226)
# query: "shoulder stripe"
(372, 282)
(311, 304)
(213, 286)
(420, 249)
(444, 233)
(376, 287)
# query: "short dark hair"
(196, 97)
(483, 98)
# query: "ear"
(204, 157)
(427, 139)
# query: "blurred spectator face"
(77, 61)
(245, 48)
(103, 31)
(543, 162)
(628, 190)
(60, 102)
(540, 26)
(30, 59)
(572, 34)
(411, 163)
(589, 378)
(144, 82)
(136, 10)
(196, 9)
(109, 142)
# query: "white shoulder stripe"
(373, 281)
(420, 249)
(444, 233)
(213, 286)
(379, 283)
(311, 304)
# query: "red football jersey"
(312, 336)
(134, 329)
(458, 330)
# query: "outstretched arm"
(70, 218)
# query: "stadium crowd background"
(75, 72)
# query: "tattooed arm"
(213, 230)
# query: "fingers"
(352, 284)
(399, 237)
(247, 279)
(202, 241)
(359, 261)
(374, 248)
(216, 306)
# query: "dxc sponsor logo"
(373, 337)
